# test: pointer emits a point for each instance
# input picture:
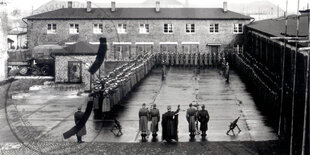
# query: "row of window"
(143, 28)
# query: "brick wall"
(37, 32)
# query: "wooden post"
(294, 82)
(283, 70)
(3, 41)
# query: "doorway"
(75, 71)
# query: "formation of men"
(170, 121)
(189, 59)
(117, 85)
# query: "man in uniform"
(196, 59)
(163, 72)
(201, 59)
(203, 118)
(143, 119)
(177, 59)
(77, 117)
(192, 59)
(181, 59)
(227, 72)
(191, 119)
(155, 117)
(170, 124)
(186, 59)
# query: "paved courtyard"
(48, 113)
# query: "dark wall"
(261, 68)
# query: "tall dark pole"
(294, 82)
(283, 70)
(306, 93)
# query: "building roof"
(139, 13)
(166, 3)
(79, 48)
(276, 27)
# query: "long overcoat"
(143, 119)
(191, 119)
(155, 117)
(203, 118)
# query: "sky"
(28, 4)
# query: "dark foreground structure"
(261, 67)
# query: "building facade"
(131, 31)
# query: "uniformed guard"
(163, 72)
(191, 119)
(167, 59)
(177, 59)
(143, 121)
(201, 59)
(155, 117)
(192, 59)
(163, 58)
(203, 118)
(196, 58)
(77, 117)
(106, 105)
(186, 59)
(181, 59)
(227, 72)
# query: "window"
(51, 28)
(168, 28)
(122, 28)
(144, 28)
(238, 28)
(214, 28)
(190, 28)
(122, 52)
(74, 28)
(238, 49)
(98, 28)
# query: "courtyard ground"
(45, 114)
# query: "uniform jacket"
(203, 118)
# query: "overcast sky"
(28, 4)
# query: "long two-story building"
(132, 31)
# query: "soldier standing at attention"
(155, 117)
(203, 118)
(143, 119)
(191, 119)
(77, 117)
(227, 72)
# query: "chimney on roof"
(225, 6)
(113, 6)
(88, 8)
(69, 4)
(157, 8)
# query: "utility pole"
(306, 93)
(294, 82)
(283, 70)
(302, 49)
(3, 40)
